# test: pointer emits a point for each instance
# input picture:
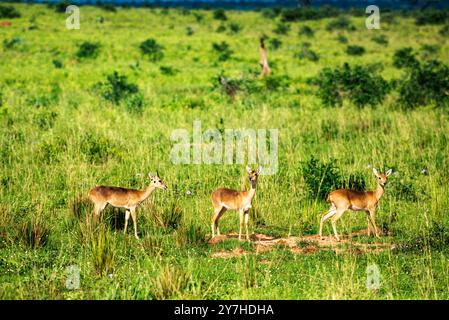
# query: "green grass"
(59, 138)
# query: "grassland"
(59, 138)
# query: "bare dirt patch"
(302, 245)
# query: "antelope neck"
(148, 191)
(379, 191)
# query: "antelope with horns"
(227, 199)
(344, 199)
(118, 197)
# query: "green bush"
(61, 6)
(220, 14)
(35, 232)
(135, 103)
(116, 88)
(88, 50)
(404, 58)
(309, 13)
(275, 43)
(306, 53)
(340, 23)
(359, 84)
(276, 82)
(152, 49)
(320, 177)
(342, 39)
(9, 12)
(103, 248)
(381, 39)
(12, 43)
(306, 31)
(98, 149)
(423, 84)
(235, 28)
(168, 70)
(223, 49)
(432, 16)
(282, 28)
(354, 50)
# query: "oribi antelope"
(227, 199)
(118, 197)
(344, 199)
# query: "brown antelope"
(227, 199)
(263, 58)
(344, 199)
(118, 197)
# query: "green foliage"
(220, 14)
(116, 88)
(306, 31)
(168, 70)
(275, 43)
(12, 43)
(98, 149)
(354, 50)
(404, 58)
(9, 12)
(153, 50)
(271, 13)
(342, 39)
(282, 28)
(381, 39)
(432, 16)
(320, 177)
(359, 84)
(190, 235)
(423, 84)
(106, 6)
(433, 237)
(235, 28)
(305, 52)
(61, 6)
(45, 119)
(135, 103)
(88, 50)
(309, 13)
(223, 49)
(340, 23)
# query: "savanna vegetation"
(98, 105)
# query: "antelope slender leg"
(334, 222)
(326, 216)
(241, 225)
(368, 221)
(218, 212)
(126, 221)
(134, 217)
(372, 215)
(246, 224)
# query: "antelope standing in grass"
(118, 197)
(227, 199)
(344, 199)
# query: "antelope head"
(383, 177)
(157, 182)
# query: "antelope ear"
(259, 170)
(388, 172)
(150, 175)
(375, 172)
(248, 169)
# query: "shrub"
(166, 218)
(9, 12)
(198, 16)
(168, 70)
(340, 23)
(282, 28)
(444, 31)
(235, 28)
(354, 50)
(275, 43)
(189, 31)
(429, 50)
(152, 49)
(106, 6)
(57, 64)
(271, 13)
(309, 13)
(306, 31)
(88, 50)
(12, 43)
(359, 84)
(223, 49)
(306, 53)
(381, 39)
(221, 28)
(426, 83)
(320, 177)
(220, 14)
(404, 58)
(116, 88)
(432, 16)
(277, 82)
(342, 39)
(135, 103)
(61, 6)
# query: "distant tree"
(304, 3)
